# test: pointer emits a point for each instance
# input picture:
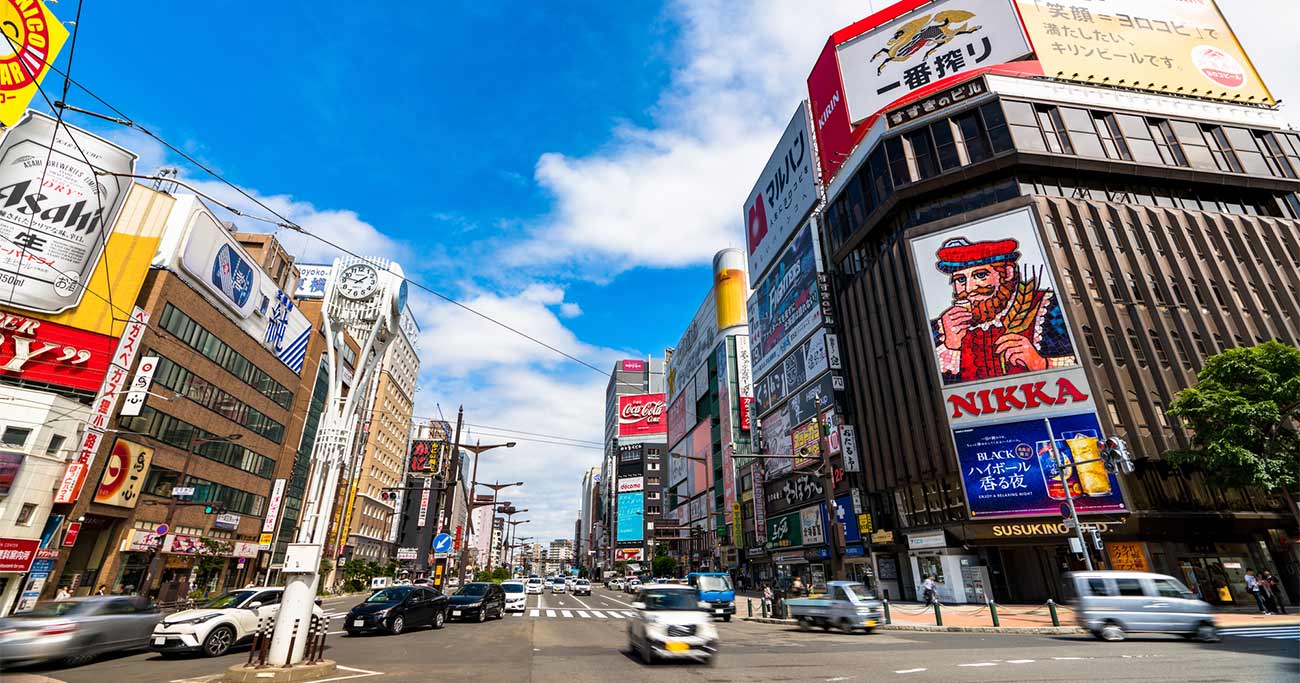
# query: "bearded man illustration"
(1001, 322)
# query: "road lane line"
(980, 664)
(550, 613)
(519, 614)
(1020, 661)
(585, 605)
(619, 602)
(534, 613)
(909, 671)
(567, 614)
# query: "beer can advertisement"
(1008, 469)
(641, 415)
(1186, 47)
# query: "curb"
(1008, 630)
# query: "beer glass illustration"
(1085, 452)
(1055, 477)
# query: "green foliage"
(1243, 412)
(663, 565)
(213, 555)
(357, 574)
(326, 565)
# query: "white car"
(516, 595)
(535, 586)
(557, 585)
(671, 622)
(220, 623)
(615, 584)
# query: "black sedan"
(479, 601)
(396, 609)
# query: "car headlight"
(706, 631)
(196, 620)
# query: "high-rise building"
(634, 413)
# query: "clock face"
(358, 281)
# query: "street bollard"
(1051, 607)
(885, 602)
(938, 615)
(993, 610)
(749, 605)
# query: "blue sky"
(568, 168)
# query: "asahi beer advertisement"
(936, 41)
(51, 240)
(784, 194)
(1006, 361)
(786, 305)
(1009, 469)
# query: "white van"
(1111, 604)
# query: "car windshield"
(475, 589)
(389, 595)
(670, 600)
(584, 582)
(715, 583)
(513, 587)
(857, 592)
(231, 599)
(61, 608)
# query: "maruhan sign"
(784, 194)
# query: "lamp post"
(477, 449)
(513, 523)
(155, 561)
(509, 511)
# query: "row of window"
(161, 481)
(191, 386)
(181, 434)
(1151, 140)
(200, 339)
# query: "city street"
(584, 641)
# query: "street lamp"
(155, 561)
(477, 449)
(509, 511)
(511, 534)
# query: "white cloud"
(569, 309)
(671, 195)
(1265, 28)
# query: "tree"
(663, 565)
(213, 554)
(1243, 412)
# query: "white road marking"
(566, 613)
(585, 605)
(534, 613)
(616, 615)
(1020, 661)
(550, 612)
(359, 673)
(837, 678)
(519, 614)
(980, 664)
(584, 615)
(1067, 659)
(599, 614)
(618, 601)
(630, 614)
(909, 671)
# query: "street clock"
(358, 281)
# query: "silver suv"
(1111, 604)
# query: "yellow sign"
(1182, 47)
(864, 523)
(264, 541)
(34, 37)
(1128, 557)
(120, 273)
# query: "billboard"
(632, 366)
(1008, 468)
(1187, 47)
(630, 484)
(784, 194)
(786, 304)
(631, 517)
(924, 46)
(723, 308)
(51, 241)
(311, 280)
(424, 458)
(124, 474)
(48, 352)
(641, 415)
(815, 356)
(28, 55)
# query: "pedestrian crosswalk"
(548, 613)
(1291, 632)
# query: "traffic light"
(213, 508)
(1114, 453)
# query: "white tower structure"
(367, 297)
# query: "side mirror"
(704, 605)
(254, 605)
(638, 605)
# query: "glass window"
(1167, 588)
(1221, 148)
(25, 514)
(1273, 154)
(1162, 132)
(1194, 146)
(1028, 139)
(1053, 126)
(1112, 140)
(1138, 138)
(878, 181)
(1129, 587)
(921, 149)
(973, 137)
(56, 442)
(898, 162)
(1099, 587)
(996, 125)
(15, 436)
(1020, 113)
(945, 145)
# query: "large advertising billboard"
(34, 38)
(784, 194)
(641, 415)
(124, 474)
(1009, 469)
(631, 517)
(786, 305)
(1186, 46)
(43, 351)
(924, 46)
(51, 242)
(722, 309)
(816, 355)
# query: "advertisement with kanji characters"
(784, 194)
(786, 305)
(124, 475)
(1008, 468)
(1174, 46)
(934, 42)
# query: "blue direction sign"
(442, 543)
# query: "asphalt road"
(570, 639)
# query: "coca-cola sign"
(641, 415)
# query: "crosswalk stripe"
(519, 614)
(550, 613)
(584, 615)
(566, 613)
(615, 615)
(600, 614)
(534, 613)
(630, 614)
(1274, 633)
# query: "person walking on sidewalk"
(797, 589)
(1254, 588)
(767, 599)
(1273, 595)
(930, 588)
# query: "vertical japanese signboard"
(135, 398)
(784, 194)
(124, 474)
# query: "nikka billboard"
(1012, 383)
(642, 415)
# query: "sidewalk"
(913, 614)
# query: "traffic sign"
(1065, 511)
(442, 543)
(162, 529)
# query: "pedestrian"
(797, 589)
(930, 590)
(102, 590)
(767, 599)
(1274, 587)
(63, 593)
(1254, 588)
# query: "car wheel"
(439, 619)
(647, 652)
(726, 618)
(397, 625)
(84, 656)
(482, 614)
(1112, 632)
(218, 641)
(804, 624)
(846, 626)
(1206, 633)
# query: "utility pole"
(835, 531)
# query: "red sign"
(642, 415)
(1017, 397)
(43, 351)
(633, 366)
(746, 412)
(456, 543)
(835, 135)
(70, 536)
(424, 456)
(17, 554)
